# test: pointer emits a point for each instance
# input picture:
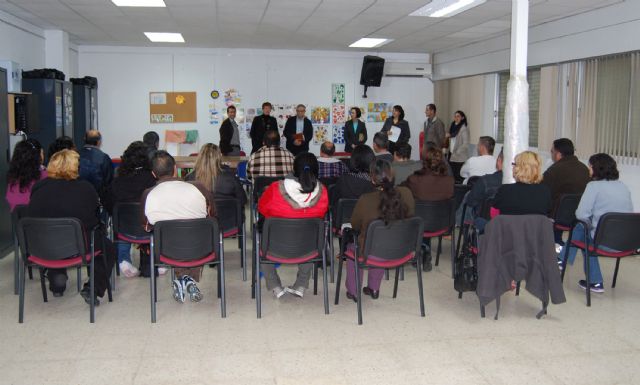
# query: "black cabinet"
(6, 238)
(85, 111)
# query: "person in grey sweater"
(402, 163)
(604, 194)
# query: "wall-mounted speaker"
(371, 75)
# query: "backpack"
(466, 269)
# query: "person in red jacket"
(299, 196)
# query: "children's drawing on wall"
(232, 97)
(379, 112)
(320, 115)
(321, 134)
(338, 114)
(338, 134)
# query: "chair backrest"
(619, 231)
(127, 220)
(51, 238)
(186, 239)
(292, 238)
(436, 215)
(566, 211)
(343, 211)
(327, 182)
(229, 213)
(261, 183)
(395, 241)
(459, 191)
(472, 180)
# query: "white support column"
(57, 50)
(516, 117)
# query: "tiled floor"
(296, 343)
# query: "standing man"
(260, 125)
(229, 134)
(434, 130)
(298, 131)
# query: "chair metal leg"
(325, 282)
(243, 252)
(565, 255)
(152, 282)
(402, 273)
(221, 283)
(110, 285)
(438, 251)
(482, 312)
(615, 273)
(253, 261)
(315, 278)
(395, 283)
(587, 257)
(21, 279)
(16, 264)
(79, 278)
(92, 289)
(30, 273)
(386, 274)
(332, 256)
(454, 251)
(420, 286)
(43, 286)
(517, 288)
(358, 289)
(258, 283)
(338, 280)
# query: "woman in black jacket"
(355, 131)
(397, 120)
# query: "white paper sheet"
(395, 133)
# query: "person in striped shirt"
(271, 159)
(330, 167)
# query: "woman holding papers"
(397, 128)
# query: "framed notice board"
(172, 107)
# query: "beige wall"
(465, 94)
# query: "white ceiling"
(285, 24)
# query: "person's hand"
(389, 133)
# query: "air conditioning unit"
(407, 70)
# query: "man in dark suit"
(298, 131)
(355, 131)
(260, 125)
(229, 134)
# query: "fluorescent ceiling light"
(139, 3)
(165, 37)
(367, 42)
(446, 8)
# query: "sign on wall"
(172, 107)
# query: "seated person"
(388, 203)
(297, 196)
(330, 167)
(152, 140)
(482, 164)
(604, 194)
(381, 147)
(133, 177)
(485, 188)
(25, 169)
(271, 159)
(431, 183)
(402, 163)
(63, 195)
(358, 180)
(218, 178)
(432, 146)
(61, 143)
(172, 199)
(95, 165)
(527, 195)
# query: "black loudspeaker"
(371, 75)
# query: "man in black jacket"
(298, 131)
(229, 134)
(260, 125)
(95, 165)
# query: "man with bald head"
(95, 165)
(330, 167)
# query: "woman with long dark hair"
(25, 169)
(297, 196)
(132, 178)
(604, 194)
(388, 203)
(397, 120)
(459, 143)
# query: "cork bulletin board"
(172, 107)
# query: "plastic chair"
(616, 231)
(396, 244)
(57, 243)
(438, 220)
(565, 214)
(19, 212)
(231, 220)
(291, 241)
(187, 243)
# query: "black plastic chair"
(459, 192)
(231, 220)
(19, 212)
(397, 244)
(439, 220)
(57, 243)
(187, 243)
(565, 214)
(617, 231)
(291, 241)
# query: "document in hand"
(395, 133)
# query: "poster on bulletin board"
(172, 107)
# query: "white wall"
(126, 75)
(21, 42)
(603, 31)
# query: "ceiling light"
(165, 37)
(446, 8)
(367, 42)
(139, 3)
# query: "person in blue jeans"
(604, 194)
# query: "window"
(533, 78)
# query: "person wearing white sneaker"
(297, 196)
(604, 194)
(172, 199)
(128, 270)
